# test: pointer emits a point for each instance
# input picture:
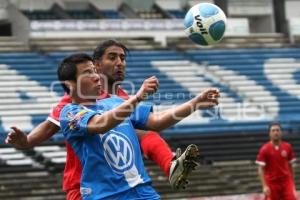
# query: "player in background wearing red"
(275, 166)
(110, 61)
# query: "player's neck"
(276, 142)
(76, 99)
(112, 89)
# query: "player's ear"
(98, 65)
(70, 85)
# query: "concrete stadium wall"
(20, 24)
(106, 5)
(34, 4)
(170, 4)
(292, 8)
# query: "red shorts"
(73, 194)
(283, 190)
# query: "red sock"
(157, 150)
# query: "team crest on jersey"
(118, 151)
(74, 119)
(284, 153)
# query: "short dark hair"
(67, 69)
(100, 49)
(276, 123)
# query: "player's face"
(88, 81)
(112, 64)
(275, 133)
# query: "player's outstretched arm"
(18, 139)
(162, 120)
(108, 120)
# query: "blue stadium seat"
(177, 13)
(82, 14)
(41, 15)
(112, 14)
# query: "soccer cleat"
(182, 166)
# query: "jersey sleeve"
(74, 120)
(140, 115)
(55, 113)
(261, 157)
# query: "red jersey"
(276, 160)
(73, 169)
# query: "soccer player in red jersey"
(275, 160)
(110, 61)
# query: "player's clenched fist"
(208, 98)
(17, 138)
(148, 87)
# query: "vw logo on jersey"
(118, 151)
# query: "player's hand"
(266, 190)
(208, 98)
(148, 87)
(17, 138)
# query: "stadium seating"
(57, 12)
(40, 14)
(258, 75)
(26, 81)
(177, 13)
(249, 79)
(82, 14)
(227, 167)
(261, 79)
(87, 44)
(112, 14)
(149, 15)
(253, 40)
(22, 177)
(11, 44)
(155, 12)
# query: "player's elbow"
(155, 123)
(96, 125)
(100, 124)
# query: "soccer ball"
(205, 24)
